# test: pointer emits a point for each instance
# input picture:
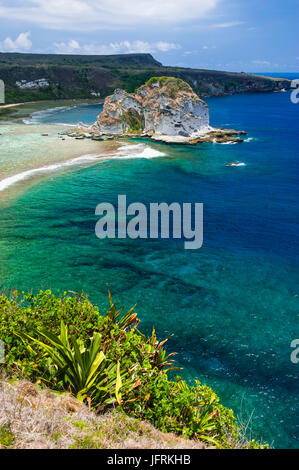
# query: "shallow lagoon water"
(232, 305)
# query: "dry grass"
(31, 418)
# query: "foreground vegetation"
(63, 343)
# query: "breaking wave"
(125, 151)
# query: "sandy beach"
(3, 106)
(30, 153)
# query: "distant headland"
(34, 77)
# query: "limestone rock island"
(165, 109)
(163, 106)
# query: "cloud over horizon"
(213, 34)
(229, 24)
(128, 47)
(82, 15)
(21, 44)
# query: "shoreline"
(33, 152)
(58, 140)
(4, 106)
(17, 111)
(59, 155)
(81, 100)
(211, 134)
(6, 183)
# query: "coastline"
(35, 151)
(4, 106)
(216, 282)
(17, 111)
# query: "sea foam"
(138, 151)
(125, 151)
(11, 180)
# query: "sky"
(234, 35)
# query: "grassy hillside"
(81, 76)
(33, 417)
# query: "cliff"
(164, 108)
(83, 76)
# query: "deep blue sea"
(233, 305)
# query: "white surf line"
(122, 152)
(229, 142)
(11, 180)
(139, 151)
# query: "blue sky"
(237, 35)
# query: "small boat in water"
(236, 164)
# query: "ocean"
(233, 305)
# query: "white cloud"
(73, 47)
(230, 24)
(261, 62)
(165, 46)
(22, 43)
(85, 15)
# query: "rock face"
(164, 106)
(166, 109)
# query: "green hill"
(89, 76)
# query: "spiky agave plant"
(157, 354)
(83, 368)
(128, 319)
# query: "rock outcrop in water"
(164, 106)
(165, 109)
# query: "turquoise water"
(232, 306)
(86, 113)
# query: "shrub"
(134, 121)
(175, 84)
(81, 366)
(142, 389)
(6, 437)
